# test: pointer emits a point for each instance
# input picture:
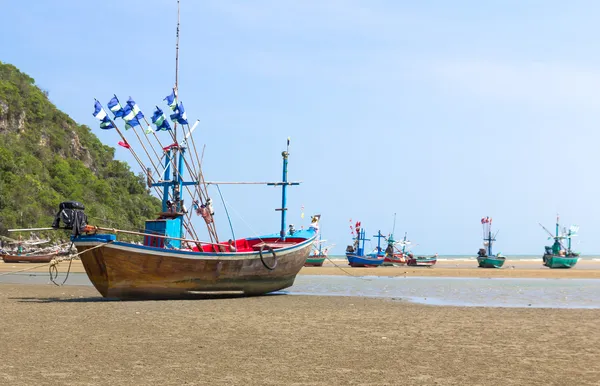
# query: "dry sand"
(69, 336)
(522, 269)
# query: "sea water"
(444, 291)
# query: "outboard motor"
(72, 215)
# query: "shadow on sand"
(100, 299)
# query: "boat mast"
(284, 184)
(379, 237)
(176, 177)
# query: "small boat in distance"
(21, 254)
(318, 255)
(28, 258)
(557, 255)
(356, 253)
(485, 257)
(421, 261)
(394, 256)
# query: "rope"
(52, 267)
(345, 271)
(226, 212)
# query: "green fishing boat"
(557, 255)
(485, 257)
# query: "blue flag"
(129, 117)
(179, 115)
(136, 110)
(101, 115)
(160, 120)
(132, 123)
(171, 100)
(115, 107)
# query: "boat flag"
(124, 144)
(115, 107)
(101, 115)
(179, 114)
(171, 100)
(160, 120)
(130, 117)
(136, 110)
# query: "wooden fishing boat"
(28, 258)
(558, 255)
(170, 264)
(485, 257)
(126, 270)
(491, 261)
(165, 266)
(319, 252)
(356, 253)
(315, 260)
(393, 255)
(421, 261)
(318, 255)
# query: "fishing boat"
(557, 255)
(28, 258)
(393, 255)
(20, 255)
(171, 261)
(318, 255)
(421, 261)
(356, 253)
(485, 258)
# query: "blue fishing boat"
(356, 253)
(557, 255)
(485, 257)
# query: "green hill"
(47, 158)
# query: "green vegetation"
(47, 158)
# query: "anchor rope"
(54, 263)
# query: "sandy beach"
(585, 269)
(70, 336)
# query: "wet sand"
(516, 269)
(69, 336)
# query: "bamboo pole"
(150, 235)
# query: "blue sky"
(442, 112)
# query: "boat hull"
(395, 260)
(314, 261)
(554, 261)
(129, 271)
(363, 261)
(29, 258)
(421, 262)
(490, 262)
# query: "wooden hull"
(363, 261)
(490, 262)
(315, 261)
(554, 261)
(394, 260)
(422, 262)
(129, 271)
(29, 258)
